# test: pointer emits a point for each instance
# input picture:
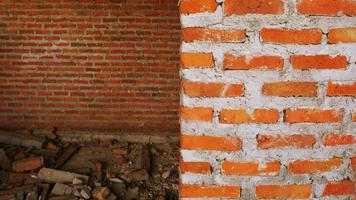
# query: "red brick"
(27, 164)
(232, 62)
(196, 113)
(200, 89)
(285, 141)
(305, 62)
(242, 7)
(342, 35)
(353, 163)
(100, 193)
(195, 167)
(290, 89)
(196, 60)
(336, 89)
(327, 7)
(204, 191)
(197, 6)
(210, 143)
(250, 168)
(314, 166)
(344, 187)
(290, 36)
(267, 116)
(284, 191)
(213, 35)
(336, 139)
(312, 116)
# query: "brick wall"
(268, 99)
(105, 66)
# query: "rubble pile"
(42, 166)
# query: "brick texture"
(287, 128)
(90, 66)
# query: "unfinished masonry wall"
(268, 99)
(90, 66)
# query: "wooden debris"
(21, 140)
(66, 155)
(57, 176)
(5, 162)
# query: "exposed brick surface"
(201, 191)
(339, 188)
(312, 116)
(268, 116)
(232, 62)
(213, 35)
(82, 66)
(195, 167)
(310, 167)
(327, 8)
(200, 89)
(305, 62)
(292, 125)
(290, 36)
(290, 141)
(296, 89)
(283, 191)
(250, 168)
(242, 7)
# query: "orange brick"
(327, 7)
(197, 6)
(284, 191)
(257, 62)
(290, 89)
(210, 143)
(268, 116)
(250, 168)
(196, 113)
(200, 89)
(196, 60)
(242, 7)
(335, 89)
(291, 141)
(195, 167)
(353, 163)
(342, 35)
(203, 191)
(305, 62)
(290, 36)
(312, 116)
(336, 139)
(313, 166)
(354, 117)
(213, 35)
(27, 164)
(344, 187)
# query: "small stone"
(77, 181)
(111, 197)
(132, 193)
(62, 189)
(85, 193)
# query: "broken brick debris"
(47, 168)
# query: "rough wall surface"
(268, 99)
(110, 66)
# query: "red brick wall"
(107, 66)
